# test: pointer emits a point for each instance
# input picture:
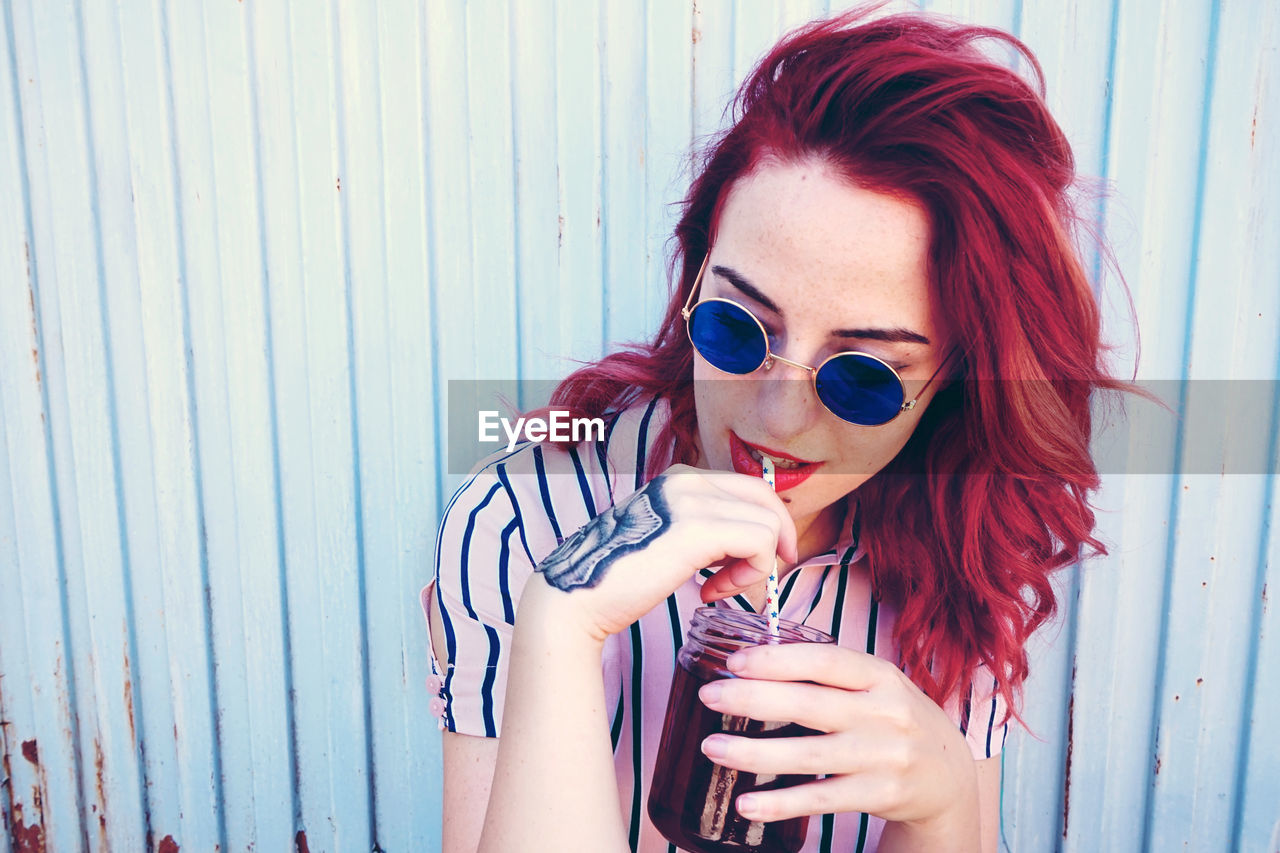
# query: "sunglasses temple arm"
(693, 291)
(911, 404)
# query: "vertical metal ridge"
(1247, 715)
(694, 12)
(189, 379)
(251, 60)
(601, 176)
(55, 508)
(1071, 600)
(134, 671)
(238, 640)
(1104, 168)
(367, 650)
(432, 265)
(1171, 539)
(517, 282)
(468, 108)
(606, 268)
(1100, 254)
(357, 485)
(734, 35)
(395, 718)
(647, 148)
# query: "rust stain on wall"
(1066, 784)
(167, 845)
(26, 839)
(7, 781)
(128, 687)
(100, 789)
(300, 842)
(31, 304)
(128, 699)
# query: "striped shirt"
(512, 512)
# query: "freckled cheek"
(720, 396)
(710, 409)
(868, 450)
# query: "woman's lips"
(784, 478)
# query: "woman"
(878, 289)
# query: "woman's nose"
(787, 403)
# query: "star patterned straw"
(771, 594)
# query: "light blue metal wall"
(243, 247)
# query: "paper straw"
(771, 594)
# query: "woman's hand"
(886, 749)
(630, 557)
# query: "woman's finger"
(812, 755)
(814, 706)
(857, 792)
(757, 492)
(822, 663)
(733, 578)
(729, 528)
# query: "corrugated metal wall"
(243, 247)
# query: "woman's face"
(827, 267)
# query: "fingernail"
(714, 747)
(710, 693)
(748, 806)
(736, 663)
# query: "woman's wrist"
(549, 615)
(956, 827)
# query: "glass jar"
(691, 801)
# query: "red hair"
(990, 493)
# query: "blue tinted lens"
(727, 336)
(860, 389)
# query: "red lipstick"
(785, 478)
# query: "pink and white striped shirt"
(513, 511)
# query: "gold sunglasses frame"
(770, 356)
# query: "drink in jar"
(692, 798)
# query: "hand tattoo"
(585, 557)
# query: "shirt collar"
(848, 548)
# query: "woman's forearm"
(554, 787)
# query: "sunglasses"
(853, 386)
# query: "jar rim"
(743, 627)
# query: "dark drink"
(692, 798)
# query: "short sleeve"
(482, 563)
(981, 715)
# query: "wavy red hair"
(962, 534)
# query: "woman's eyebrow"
(890, 336)
(747, 288)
